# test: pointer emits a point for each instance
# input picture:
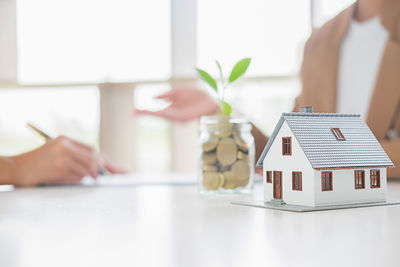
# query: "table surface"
(171, 225)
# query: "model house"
(320, 159)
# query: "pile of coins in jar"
(225, 160)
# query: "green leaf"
(221, 76)
(226, 108)
(239, 69)
(208, 79)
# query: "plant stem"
(223, 91)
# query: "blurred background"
(79, 67)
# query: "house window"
(359, 179)
(338, 134)
(326, 180)
(296, 181)
(269, 176)
(287, 146)
(375, 179)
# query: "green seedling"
(238, 71)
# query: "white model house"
(320, 159)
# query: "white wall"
(275, 161)
(344, 191)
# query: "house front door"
(277, 185)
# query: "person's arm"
(186, 104)
(189, 103)
(7, 170)
(59, 160)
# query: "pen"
(39, 131)
(49, 137)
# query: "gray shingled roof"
(323, 150)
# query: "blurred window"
(271, 32)
(69, 41)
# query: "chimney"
(307, 109)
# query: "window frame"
(356, 177)
(300, 181)
(338, 134)
(289, 153)
(378, 178)
(330, 181)
(268, 177)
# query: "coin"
(230, 180)
(243, 183)
(243, 156)
(241, 170)
(209, 158)
(212, 180)
(226, 151)
(225, 168)
(210, 168)
(222, 180)
(210, 144)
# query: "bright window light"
(69, 41)
(271, 32)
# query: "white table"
(173, 226)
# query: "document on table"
(141, 179)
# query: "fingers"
(165, 113)
(74, 160)
(85, 165)
(170, 95)
(108, 166)
(67, 171)
(143, 112)
(169, 113)
(75, 172)
(82, 158)
(179, 115)
(85, 162)
(113, 169)
(81, 145)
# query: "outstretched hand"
(186, 104)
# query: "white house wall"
(275, 161)
(344, 191)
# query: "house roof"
(321, 147)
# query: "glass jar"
(226, 158)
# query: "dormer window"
(287, 146)
(338, 134)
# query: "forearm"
(392, 148)
(7, 170)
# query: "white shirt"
(359, 61)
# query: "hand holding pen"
(60, 160)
